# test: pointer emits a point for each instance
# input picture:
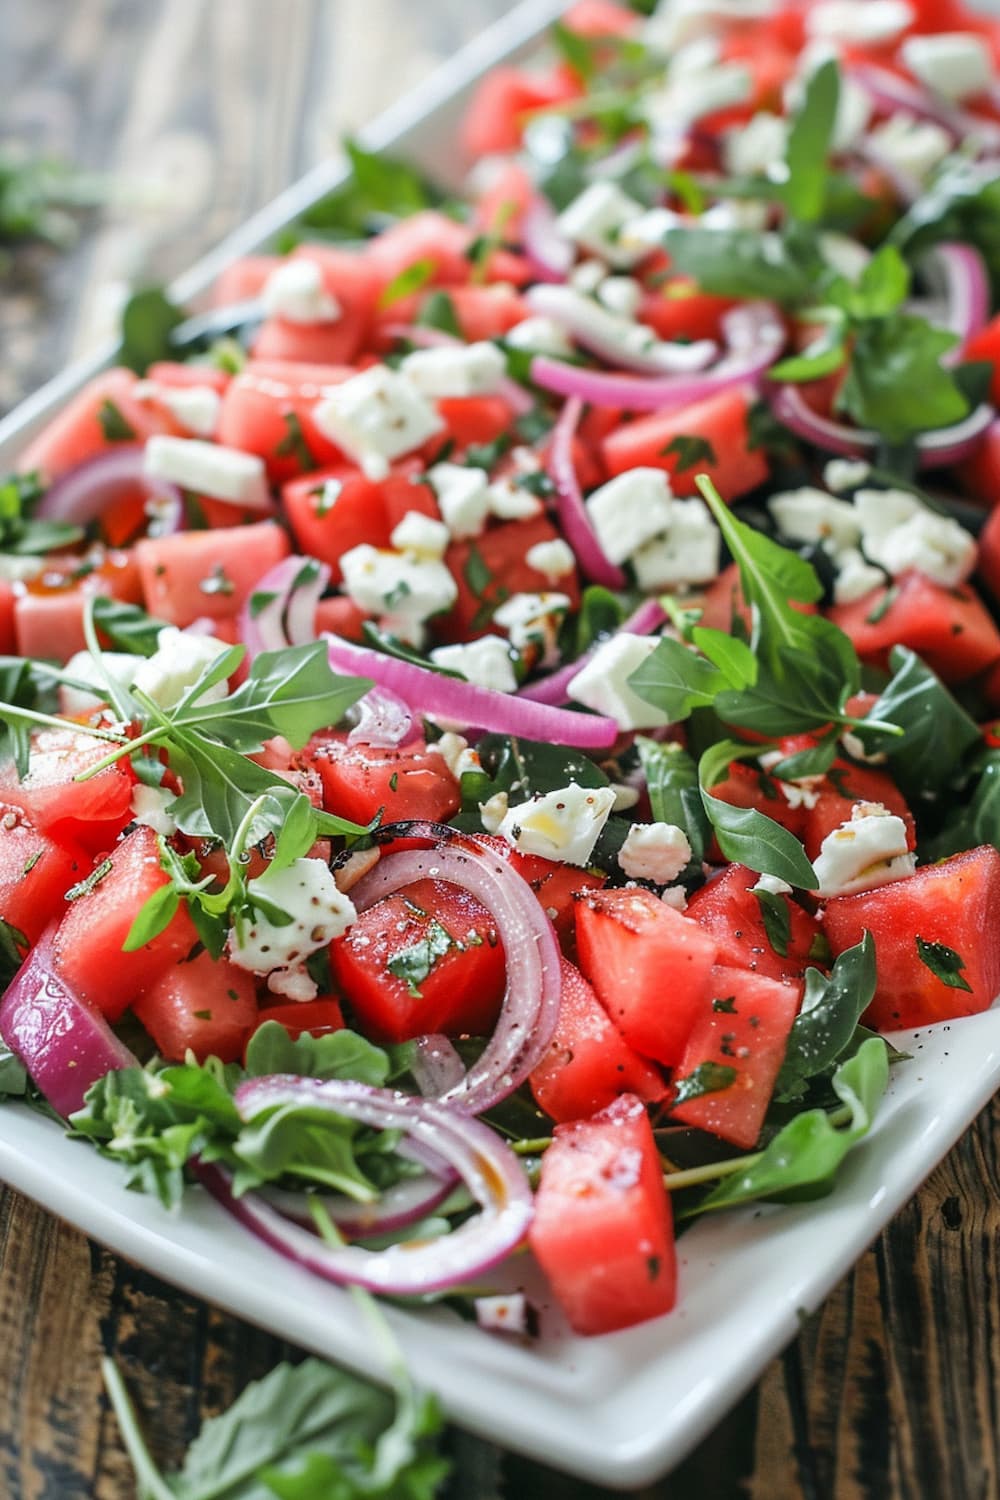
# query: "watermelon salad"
(499, 708)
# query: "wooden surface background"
(202, 110)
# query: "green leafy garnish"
(944, 963)
(148, 321)
(777, 919)
(672, 783)
(691, 451)
(825, 1026)
(706, 1078)
(22, 532)
(415, 963)
(746, 836)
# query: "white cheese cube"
(858, 22)
(539, 335)
(689, 98)
(176, 664)
(848, 257)
(421, 535)
(208, 469)
(629, 510)
(193, 407)
(463, 497)
(881, 511)
(595, 219)
(485, 662)
(955, 64)
(118, 665)
(868, 850)
(855, 577)
(772, 885)
(562, 825)
(307, 892)
(602, 683)
(621, 295)
(399, 586)
(646, 231)
(295, 291)
(456, 370)
(936, 545)
(493, 811)
(509, 501)
(555, 559)
(751, 150)
(454, 751)
(845, 473)
(533, 620)
(912, 147)
(655, 851)
(149, 807)
(810, 515)
(688, 554)
(375, 417)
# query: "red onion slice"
(381, 719)
(464, 703)
(572, 511)
(64, 1044)
(550, 256)
(595, 328)
(531, 1000)
(967, 292)
(516, 397)
(938, 449)
(84, 492)
(436, 1066)
(281, 610)
(891, 93)
(554, 689)
(488, 1167)
(754, 334)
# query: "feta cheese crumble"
(554, 558)
(456, 369)
(868, 850)
(375, 417)
(176, 664)
(208, 469)
(295, 291)
(485, 662)
(533, 620)
(402, 588)
(595, 219)
(602, 682)
(955, 64)
(629, 510)
(307, 892)
(421, 535)
(463, 497)
(688, 554)
(562, 825)
(655, 851)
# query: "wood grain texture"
(202, 110)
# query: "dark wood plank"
(891, 1390)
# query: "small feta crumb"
(913, 147)
(295, 291)
(208, 469)
(149, 807)
(688, 554)
(562, 825)
(176, 665)
(881, 511)
(936, 545)
(798, 794)
(454, 751)
(675, 896)
(855, 577)
(847, 256)
(375, 417)
(621, 295)
(616, 335)
(595, 219)
(856, 750)
(751, 150)
(538, 335)
(587, 276)
(629, 510)
(456, 370)
(554, 558)
(695, 93)
(533, 620)
(646, 231)
(955, 64)
(485, 662)
(810, 515)
(463, 497)
(858, 22)
(655, 851)
(845, 473)
(193, 407)
(868, 850)
(626, 797)
(510, 501)
(402, 588)
(421, 535)
(602, 683)
(307, 892)
(493, 811)
(118, 665)
(772, 885)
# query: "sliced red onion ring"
(381, 719)
(550, 256)
(436, 1066)
(967, 290)
(465, 703)
(938, 449)
(281, 610)
(607, 335)
(531, 1000)
(754, 334)
(64, 1044)
(572, 511)
(554, 689)
(487, 1166)
(891, 93)
(508, 390)
(84, 492)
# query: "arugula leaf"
(292, 692)
(677, 680)
(896, 382)
(777, 919)
(746, 836)
(802, 1160)
(126, 626)
(944, 963)
(825, 1026)
(937, 733)
(21, 532)
(810, 140)
(737, 263)
(672, 783)
(148, 321)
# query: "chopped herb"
(488, 455)
(438, 311)
(327, 495)
(727, 1006)
(294, 444)
(85, 886)
(707, 1078)
(944, 963)
(409, 280)
(413, 964)
(536, 483)
(31, 862)
(690, 451)
(217, 582)
(113, 424)
(777, 920)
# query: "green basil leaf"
(810, 142)
(944, 963)
(777, 919)
(937, 735)
(672, 783)
(825, 1026)
(746, 836)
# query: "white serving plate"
(621, 1409)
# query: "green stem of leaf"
(150, 1483)
(366, 1304)
(714, 1171)
(127, 748)
(51, 721)
(532, 1148)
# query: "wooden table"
(204, 109)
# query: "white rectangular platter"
(620, 1409)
